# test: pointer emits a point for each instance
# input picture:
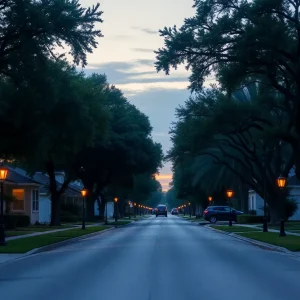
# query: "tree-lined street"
(158, 258)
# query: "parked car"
(161, 210)
(220, 213)
(174, 211)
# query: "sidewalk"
(49, 231)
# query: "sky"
(125, 54)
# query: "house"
(41, 202)
(255, 202)
(23, 193)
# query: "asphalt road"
(156, 259)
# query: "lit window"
(18, 202)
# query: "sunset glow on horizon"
(164, 180)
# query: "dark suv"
(220, 213)
(161, 210)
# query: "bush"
(290, 208)
(249, 219)
(252, 212)
(67, 217)
(13, 221)
(71, 208)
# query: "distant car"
(174, 211)
(220, 213)
(161, 210)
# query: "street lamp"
(3, 175)
(229, 196)
(281, 181)
(190, 209)
(116, 209)
(83, 194)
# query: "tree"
(32, 31)
(222, 139)
(127, 152)
(66, 116)
(242, 41)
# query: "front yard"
(234, 228)
(26, 244)
(34, 228)
(290, 242)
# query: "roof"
(19, 175)
(15, 177)
(293, 180)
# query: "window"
(18, 202)
(35, 200)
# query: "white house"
(255, 202)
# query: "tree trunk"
(90, 208)
(55, 209)
(102, 207)
(55, 194)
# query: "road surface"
(156, 259)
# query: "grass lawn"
(86, 223)
(120, 222)
(289, 242)
(288, 226)
(41, 228)
(234, 228)
(24, 245)
(11, 233)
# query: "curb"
(55, 245)
(263, 245)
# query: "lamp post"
(134, 204)
(106, 221)
(229, 196)
(190, 211)
(116, 209)
(264, 164)
(210, 199)
(83, 194)
(281, 181)
(3, 175)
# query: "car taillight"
(205, 212)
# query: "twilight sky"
(125, 55)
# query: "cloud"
(145, 30)
(138, 75)
(146, 50)
(160, 134)
(119, 37)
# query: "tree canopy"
(239, 42)
(54, 118)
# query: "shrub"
(249, 219)
(13, 221)
(67, 217)
(252, 212)
(290, 208)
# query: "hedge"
(67, 217)
(249, 219)
(13, 221)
